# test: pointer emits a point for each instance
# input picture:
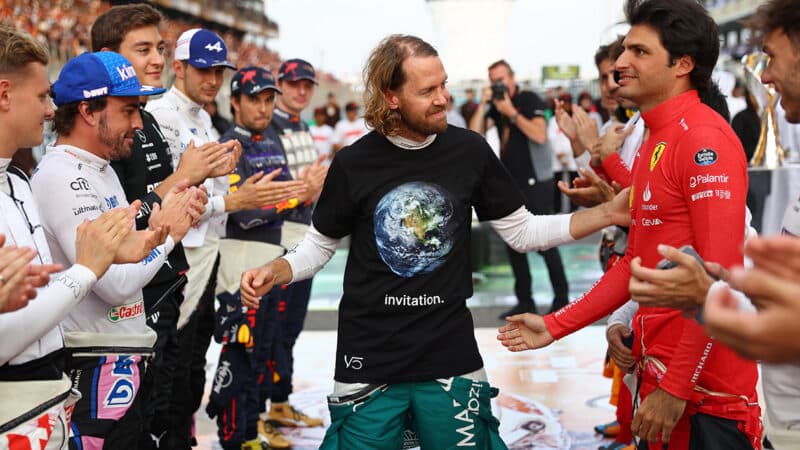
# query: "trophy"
(768, 153)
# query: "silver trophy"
(768, 154)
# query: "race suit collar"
(286, 115)
(184, 102)
(241, 131)
(408, 144)
(669, 111)
(90, 159)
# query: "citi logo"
(95, 92)
(217, 47)
(126, 72)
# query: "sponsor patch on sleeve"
(705, 157)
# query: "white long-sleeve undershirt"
(521, 230)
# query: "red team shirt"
(689, 184)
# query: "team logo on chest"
(630, 196)
(705, 157)
(657, 153)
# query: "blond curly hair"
(384, 71)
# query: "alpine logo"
(125, 312)
(217, 47)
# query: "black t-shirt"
(148, 165)
(403, 315)
(516, 155)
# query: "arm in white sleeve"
(62, 214)
(311, 254)
(121, 282)
(525, 232)
(744, 303)
(215, 206)
(623, 315)
(19, 329)
(584, 161)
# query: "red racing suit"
(689, 187)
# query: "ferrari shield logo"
(657, 152)
(630, 196)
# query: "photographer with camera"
(527, 155)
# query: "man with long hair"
(407, 355)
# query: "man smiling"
(404, 194)
(696, 393)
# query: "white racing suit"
(34, 390)
(106, 335)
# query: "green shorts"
(451, 413)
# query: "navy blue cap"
(297, 69)
(252, 80)
(202, 49)
(99, 74)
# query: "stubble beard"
(421, 126)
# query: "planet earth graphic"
(414, 228)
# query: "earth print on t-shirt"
(414, 228)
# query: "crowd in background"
(63, 25)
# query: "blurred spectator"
(219, 123)
(333, 113)
(322, 133)
(728, 85)
(564, 167)
(349, 129)
(453, 116)
(468, 107)
(586, 102)
(63, 25)
(747, 126)
(549, 104)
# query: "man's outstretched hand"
(524, 332)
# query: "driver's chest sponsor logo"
(647, 195)
(705, 157)
(658, 152)
(125, 312)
